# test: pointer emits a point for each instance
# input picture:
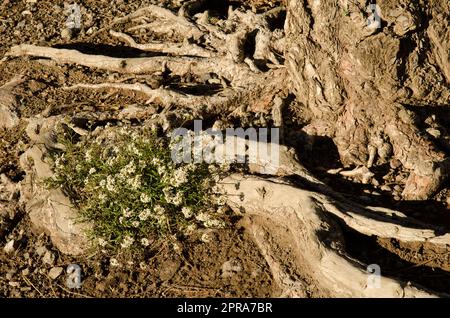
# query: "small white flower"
(167, 194)
(187, 212)
(135, 183)
(212, 169)
(214, 224)
(156, 161)
(222, 210)
(145, 242)
(206, 237)
(179, 177)
(191, 167)
(177, 247)
(145, 214)
(88, 155)
(190, 229)
(114, 262)
(127, 241)
(161, 170)
(135, 223)
(162, 220)
(159, 210)
(178, 199)
(202, 217)
(103, 183)
(102, 197)
(127, 212)
(110, 183)
(225, 166)
(102, 242)
(221, 200)
(92, 171)
(145, 198)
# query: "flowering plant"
(124, 182)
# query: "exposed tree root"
(167, 97)
(175, 49)
(280, 213)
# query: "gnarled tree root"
(280, 213)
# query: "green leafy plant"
(124, 182)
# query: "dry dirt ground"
(203, 270)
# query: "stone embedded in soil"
(9, 247)
(49, 258)
(55, 272)
(40, 250)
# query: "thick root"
(183, 49)
(281, 213)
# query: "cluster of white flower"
(128, 170)
(145, 198)
(114, 262)
(58, 162)
(139, 168)
(127, 212)
(102, 242)
(187, 212)
(127, 242)
(88, 155)
(159, 210)
(208, 221)
(111, 184)
(145, 242)
(102, 197)
(160, 215)
(135, 183)
(180, 176)
(134, 150)
(145, 214)
(176, 199)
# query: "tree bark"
(359, 84)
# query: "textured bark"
(356, 81)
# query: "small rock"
(41, 250)
(25, 272)
(55, 272)
(9, 275)
(9, 247)
(386, 188)
(397, 188)
(434, 132)
(66, 34)
(14, 284)
(49, 258)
